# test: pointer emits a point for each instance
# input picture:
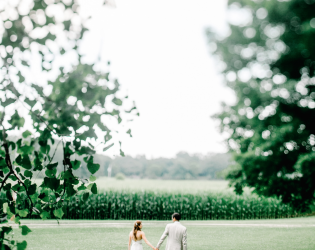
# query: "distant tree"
(120, 176)
(183, 166)
(66, 111)
(269, 62)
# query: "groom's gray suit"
(177, 237)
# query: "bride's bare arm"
(146, 240)
(129, 243)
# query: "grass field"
(297, 233)
(185, 186)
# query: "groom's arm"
(164, 235)
(184, 240)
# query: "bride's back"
(139, 236)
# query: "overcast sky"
(158, 51)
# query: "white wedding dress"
(136, 245)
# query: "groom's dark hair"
(176, 216)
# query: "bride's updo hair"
(136, 228)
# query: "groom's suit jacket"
(177, 237)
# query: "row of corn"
(161, 205)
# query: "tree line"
(183, 166)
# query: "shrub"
(120, 176)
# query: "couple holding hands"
(176, 232)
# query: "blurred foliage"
(65, 111)
(268, 59)
(120, 176)
(182, 167)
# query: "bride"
(136, 236)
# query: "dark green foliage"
(94, 188)
(67, 111)
(21, 245)
(92, 167)
(59, 213)
(269, 63)
(25, 230)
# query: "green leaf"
(24, 162)
(22, 213)
(45, 149)
(71, 191)
(18, 188)
(16, 121)
(45, 215)
(129, 132)
(13, 177)
(52, 166)
(8, 194)
(28, 173)
(94, 188)
(6, 170)
(75, 164)
(12, 144)
(82, 187)
(21, 245)
(85, 150)
(26, 134)
(24, 63)
(17, 219)
(92, 167)
(25, 230)
(92, 178)
(52, 183)
(7, 102)
(6, 230)
(25, 150)
(122, 153)
(37, 162)
(27, 182)
(107, 137)
(5, 207)
(32, 189)
(51, 173)
(117, 101)
(58, 213)
(3, 163)
(30, 102)
(85, 197)
(18, 160)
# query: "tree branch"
(5, 179)
(8, 161)
(21, 182)
(4, 140)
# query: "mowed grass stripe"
(200, 237)
(294, 222)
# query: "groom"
(177, 235)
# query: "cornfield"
(161, 205)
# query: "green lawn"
(297, 233)
(186, 186)
(183, 186)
